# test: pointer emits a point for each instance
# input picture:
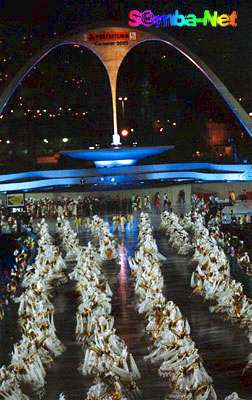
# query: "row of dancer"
(106, 356)
(212, 278)
(107, 242)
(173, 349)
(39, 344)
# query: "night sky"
(70, 84)
(227, 51)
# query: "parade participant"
(108, 245)
(145, 202)
(148, 204)
(165, 202)
(173, 349)
(245, 262)
(106, 356)
(130, 219)
(10, 386)
(139, 203)
(123, 221)
(39, 344)
(157, 202)
(116, 222)
(212, 276)
(77, 222)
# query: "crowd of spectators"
(87, 206)
(83, 206)
(15, 256)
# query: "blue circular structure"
(122, 156)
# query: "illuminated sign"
(214, 19)
(15, 200)
(119, 36)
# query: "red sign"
(48, 159)
(111, 36)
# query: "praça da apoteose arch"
(111, 44)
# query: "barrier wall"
(222, 189)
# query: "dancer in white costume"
(211, 278)
(69, 238)
(173, 349)
(106, 391)
(9, 385)
(107, 242)
(233, 396)
(39, 344)
(106, 356)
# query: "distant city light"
(91, 147)
(65, 140)
(8, 141)
(132, 130)
(250, 114)
(113, 179)
(45, 141)
(174, 124)
(124, 132)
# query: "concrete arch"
(112, 61)
(234, 106)
(35, 60)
